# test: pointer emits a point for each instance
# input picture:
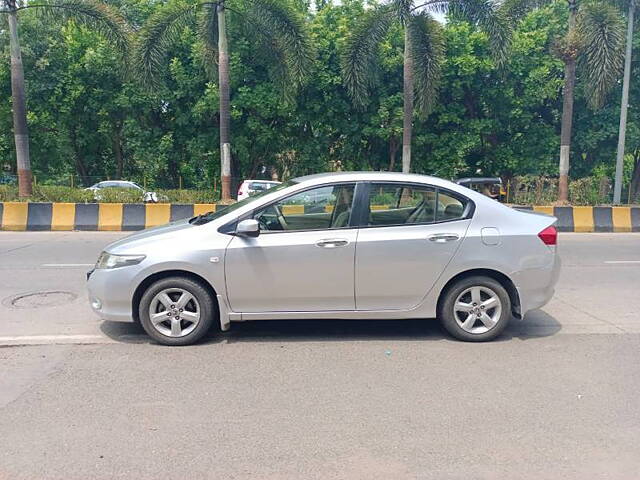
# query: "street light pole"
(617, 189)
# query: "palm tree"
(593, 43)
(275, 24)
(94, 14)
(617, 191)
(423, 50)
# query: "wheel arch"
(154, 277)
(500, 277)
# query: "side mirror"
(248, 228)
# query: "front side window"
(397, 204)
(321, 208)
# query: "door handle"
(332, 242)
(443, 237)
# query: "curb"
(21, 216)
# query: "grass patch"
(45, 193)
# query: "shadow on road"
(537, 324)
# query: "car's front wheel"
(475, 309)
(176, 311)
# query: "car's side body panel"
(291, 271)
(397, 265)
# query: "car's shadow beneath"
(537, 324)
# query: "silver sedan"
(334, 246)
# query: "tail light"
(549, 236)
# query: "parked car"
(376, 246)
(251, 187)
(147, 197)
(7, 179)
(489, 186)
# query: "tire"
(471, 320)
(180, 327)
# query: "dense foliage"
(90, 119)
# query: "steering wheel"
(280, 217)
(262, 222)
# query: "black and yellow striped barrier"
(94, 216)
(593, 219)
(22, 216)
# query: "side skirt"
(332, 315)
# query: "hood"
(140, 238)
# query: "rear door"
(409, 234)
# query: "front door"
(411, 235)
(303, 259)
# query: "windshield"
(210, 216)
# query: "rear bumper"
(536, 286)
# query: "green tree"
(276, 26)
(499, 120)
(423, 50)
(97, 15)
(631, 9)
(594, 41)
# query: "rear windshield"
(260, 185)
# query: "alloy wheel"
(174, 312)
(477, 309)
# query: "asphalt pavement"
(555, 397)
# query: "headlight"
(108, 260)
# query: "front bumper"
(110, 294)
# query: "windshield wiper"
(201, 219)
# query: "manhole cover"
(40, 299)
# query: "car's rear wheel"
(176, 311)
(475, 309)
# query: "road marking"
(622, 261)
(67, 265)
(52, 339)
(19, 340)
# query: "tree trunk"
(223, 81)
(617, 189)
(19, 107)
(393, 149)
(634, 186)
(117, 151)
(407, 122)
(567, 112)
(81, 169)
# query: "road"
(555, 397)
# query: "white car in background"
(147, 197)
(249, 187)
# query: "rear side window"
(397, 204)
(449, 207)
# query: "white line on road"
(622, 261)
(18, 340)
(47, 339)
(67, 265)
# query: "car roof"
(479, 180)
(375, 177)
